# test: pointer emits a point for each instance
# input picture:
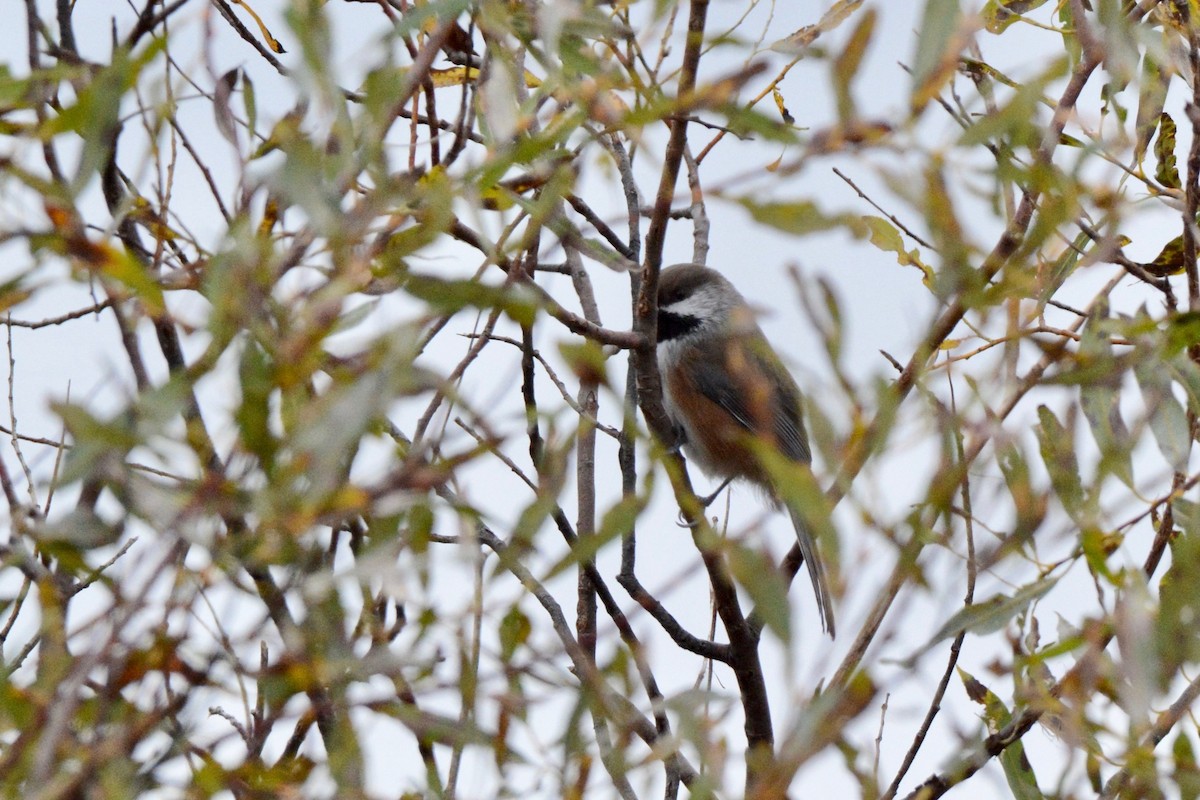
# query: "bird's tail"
(816, 571)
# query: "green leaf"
(1051, 280)
(249, 105)
(1018, 119)
(1097, 546)
(938, 46)
(1151, 99)
(988, 616)
(799, 490)
(756, 573)
(846, 66)
(1168, 420)
(455, 295)
(515, 629)
(1186, 771)
(1030, 504)
(1176, 634)
(1166, 172)
(1017, 769)
(1056, 444)
(1099, 398)
(800, 217)
(884, 235)
(95, 116)
(999, 14)
(617, 522)
(253, 414)
(1169, 261)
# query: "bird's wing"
(753, 364)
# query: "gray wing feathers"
(715, 384)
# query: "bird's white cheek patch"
(701, 305)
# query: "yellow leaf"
(272, 42)
(783, 112)
(455, 76)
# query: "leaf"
(1017, 119)
(253, 414)
(515, 629)
(846, 65)
(272, 42)
(617, 522)
(249, 104)
(999, 14)
(988, 616)
(1097, 546)
(1185, 372)
(884, 235)
(777, 96)
(587, 361)
(1150, 115)
(1099, 397)
(1168, 420)
(831, 19)
(800, 217)
(1056, 444)
(1017, 769)
(1169, 261)
(938, 46)
(1051, 280)
(756, 573)
(1166, 172)
(1186, 773)
(226, 124)
(455, 295)
(1030, 504)
(95, 116)
(1176, 635)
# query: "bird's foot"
(707, 500)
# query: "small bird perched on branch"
(728, 393)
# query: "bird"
(727, 393)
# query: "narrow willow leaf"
(938, 45)
(846, 66)
(1099, 398)
(1017, 769)
(222, 113)
(1169, 261)
(1056, 444)
(1185, 372)
(1030, 504)
(1186, 771)
(1151, 99)
(1166, 172)
(800, 217)
(1051, 280)
(515, 629)
(1168, 420)
(271, 41)
(1176, 635)
(988, 616)
(757, 575)
(802, 38)
(1070, 34)
(249, 104)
